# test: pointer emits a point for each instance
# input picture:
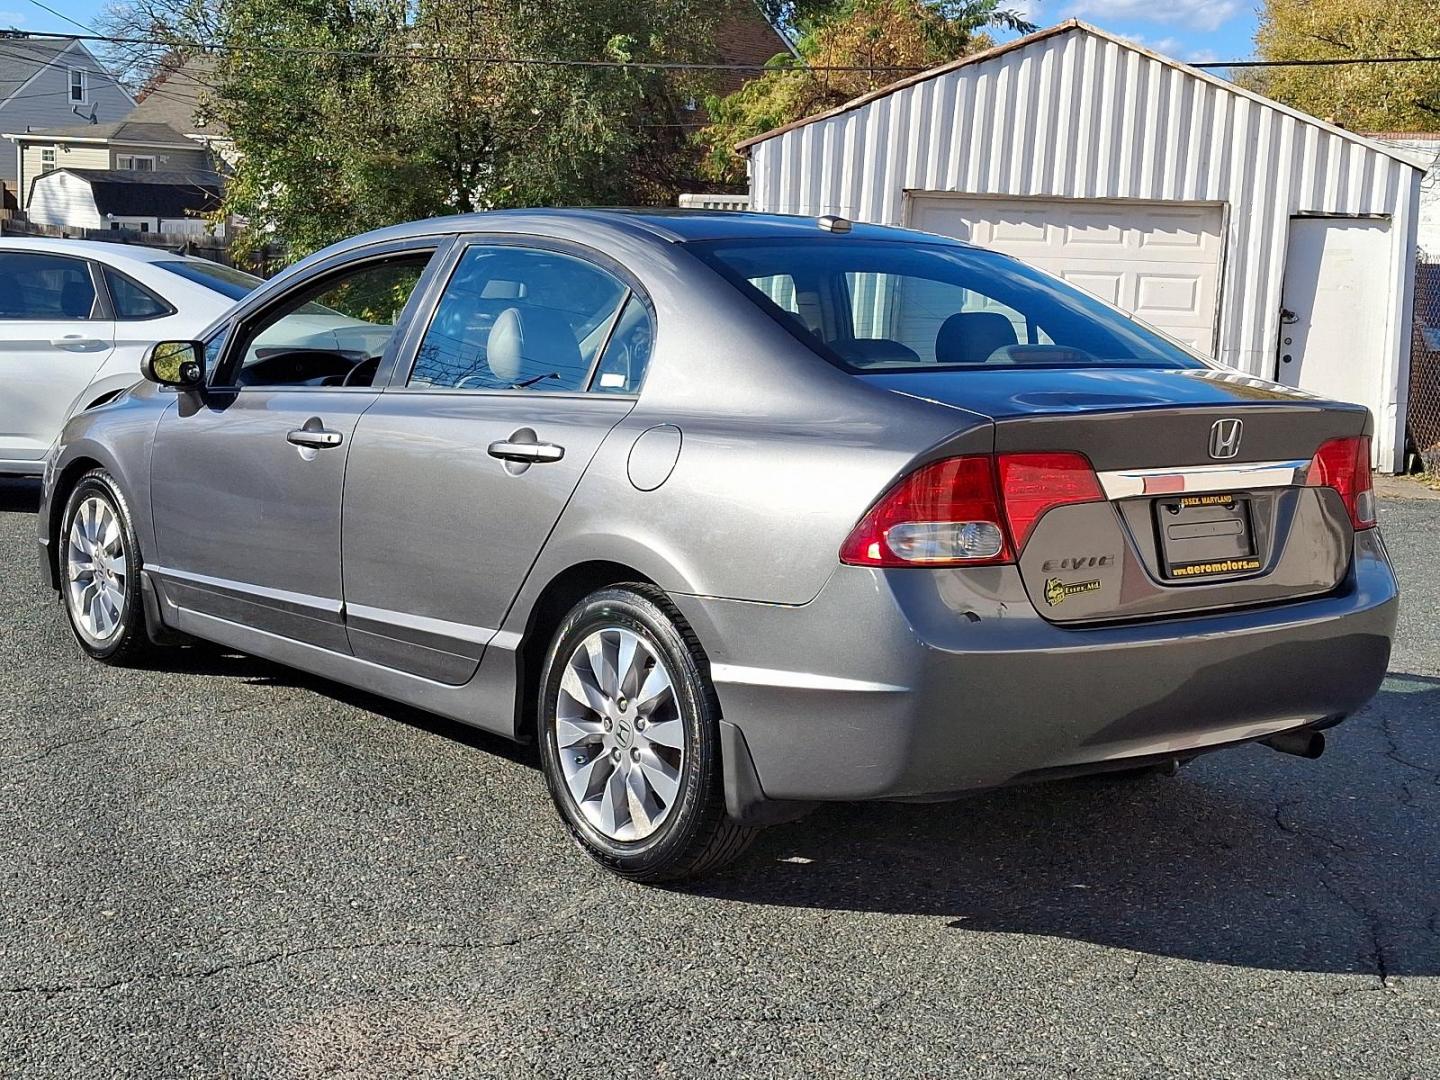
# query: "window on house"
(47, 158)
(135, 162)
(77, 85)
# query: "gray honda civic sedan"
(733, 514)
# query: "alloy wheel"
(96, 569)
(618, 734)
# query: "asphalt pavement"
(222, 868)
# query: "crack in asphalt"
(1393, 753)
(279, 956)
(1311, 841)
(46, 751)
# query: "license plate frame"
(1205, 536)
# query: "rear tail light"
(1344, 464)
(976, 510)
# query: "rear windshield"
(874, 305)
(226, 280)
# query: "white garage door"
(1160, 261)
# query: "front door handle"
(319, 438)
(78, 343)
(527, 452)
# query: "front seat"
(530, 341)
(970, 337)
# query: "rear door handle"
(319, 438)
(78, 343)
(506, 450)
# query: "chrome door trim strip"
(1132, 483)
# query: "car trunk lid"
(1203, 476)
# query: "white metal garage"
(1266, 238)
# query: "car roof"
(671, 224)
(101, 250)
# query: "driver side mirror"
(175, 363)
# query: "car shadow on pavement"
(1246, 858)
(19, 495)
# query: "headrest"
(969, 337)
(531, 341)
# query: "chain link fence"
(1423, 415)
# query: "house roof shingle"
(121, 131)
(177, 98)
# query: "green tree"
(351, 114)
(880, 40)
(1363, 97)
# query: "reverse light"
(976, 510)
(1344, 465)
(943, 514)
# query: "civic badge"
(1225, 439)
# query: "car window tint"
(226, 280)
(131, 299)
(627, 354)
(41, 286)
(868, 305)
(515, 318)
(334, 333)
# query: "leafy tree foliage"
(1364, 97)
(880, 40)
(347, 115)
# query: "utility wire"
(414, 54)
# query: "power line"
(67, 18)
(415, 55)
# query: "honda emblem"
(1225, 439)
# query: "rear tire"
(630, 741)
(98, 559)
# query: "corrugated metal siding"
(1079, 116)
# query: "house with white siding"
(1268, 239)
(50, 83)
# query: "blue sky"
(1196, 30)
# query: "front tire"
(99, 563)
(630, 741)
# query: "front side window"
(49, 287)
(870, 305)
(334, 333)
(132, 300)
(518, 319)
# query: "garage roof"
(1072, 26)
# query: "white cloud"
(11, 18)
(1196, 14)
(1175, 48)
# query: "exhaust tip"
(1305, 743)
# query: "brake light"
(1344, 464)
(944, 514)
(968, 511)
(1031, 484)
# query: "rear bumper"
(915, 684)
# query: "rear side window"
(521, 319)
(881, 305)
(42, 286)
(132, 300)
(622, 367)
(226, 280)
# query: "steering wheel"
(363, 373)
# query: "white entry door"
(1332, 332)
(1159, 261)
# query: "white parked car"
(75, 318)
